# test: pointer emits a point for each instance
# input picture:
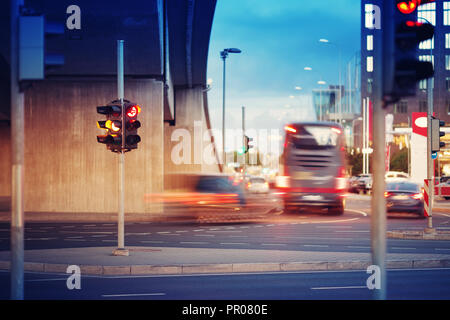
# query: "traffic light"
(402, 34)
(33, 56)
(247, 145)
(120, 127)
(436, 134)
(112, 125)
(132, 124)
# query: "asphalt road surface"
(304, 231)
(348, 285)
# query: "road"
(305, 232)
(345, 285)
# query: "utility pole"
(17, 161)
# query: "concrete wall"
(66, 169)
(189, 108)
(5, 159)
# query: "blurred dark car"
(220, 190)
(404, 196)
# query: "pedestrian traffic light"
(436, 134)
(132, 124)
(33, 56)
(113, 126)
(402, 34)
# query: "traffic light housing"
(121, 125)
(436, 134)
(247, 145)
(33, 56)
(402, 34)
(132, 124)
(113, 126)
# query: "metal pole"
(223, 114)
(368, 135)
(364, 137)
(430, 162)
(243, 139)
(17, 161)
(121, 251)
(378, 216)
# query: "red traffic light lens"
(133, 111)
(407, 7)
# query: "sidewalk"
(155, 260)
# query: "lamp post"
(224, 55)
(326, 41)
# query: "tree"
(399, 161)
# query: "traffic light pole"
(17, 161)
(121, 251)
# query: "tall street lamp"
(326, 41)
(224, 55)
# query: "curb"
(418, 235)
(227, 268)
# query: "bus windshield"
(316, 136)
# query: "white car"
(257, 185)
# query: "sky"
(278, 38)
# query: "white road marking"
(233, 243)
(138, 233)
(358, 247)
(352, 231)
(181, 231)
(273, 244)
(334, 227)
(316, 246)
(88, 232)
(358, 211)
(193, 242)
(339, 288)
(205, 235)
(133, 295)
(403, 248)
(44, 280)
(442, 249)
